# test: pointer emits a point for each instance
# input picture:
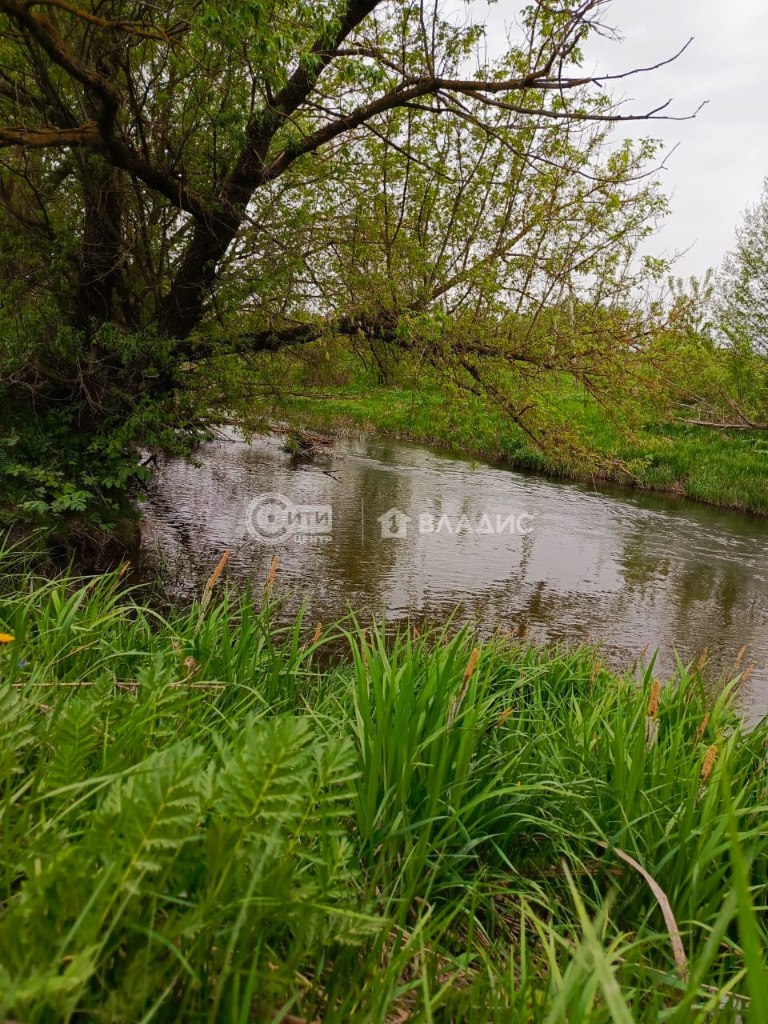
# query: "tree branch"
(247, 172)
(129, 27)
(723, 426)
(45, 33)
(36, 138)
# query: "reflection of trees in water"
(698, 596)
(195, 512)
(535, 611)
(353, 567)
(667, 582)
(721, 607)
(692, 603)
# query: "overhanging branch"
(38, 138)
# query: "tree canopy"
(201, 180)
(744, 281)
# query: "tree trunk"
(182, 308)
(101, 245)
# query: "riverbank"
(207, 817)
(727, 469)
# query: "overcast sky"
(722, 156)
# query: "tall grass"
(206, 818)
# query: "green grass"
(205, 817)
(717, 467)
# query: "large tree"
(198, 178)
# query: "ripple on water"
(635, 572)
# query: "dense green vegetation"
(186, 187)
(718, 467)
(187, 193)
(354, 214)
(649, 442)
(206, 817)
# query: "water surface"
(635, 572)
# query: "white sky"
(722, 156)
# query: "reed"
(201, 820)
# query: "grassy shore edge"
(714, 468)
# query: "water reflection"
(634, 572)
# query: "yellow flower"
(6, 638)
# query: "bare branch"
(129, 27)
(723, 426)
(45, 33)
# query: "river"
(633, 572)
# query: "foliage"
(183, 187)
(744, 282)
(721, 324)
(646, 443)
(207, 817)
(742, 313)
(62, 456)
